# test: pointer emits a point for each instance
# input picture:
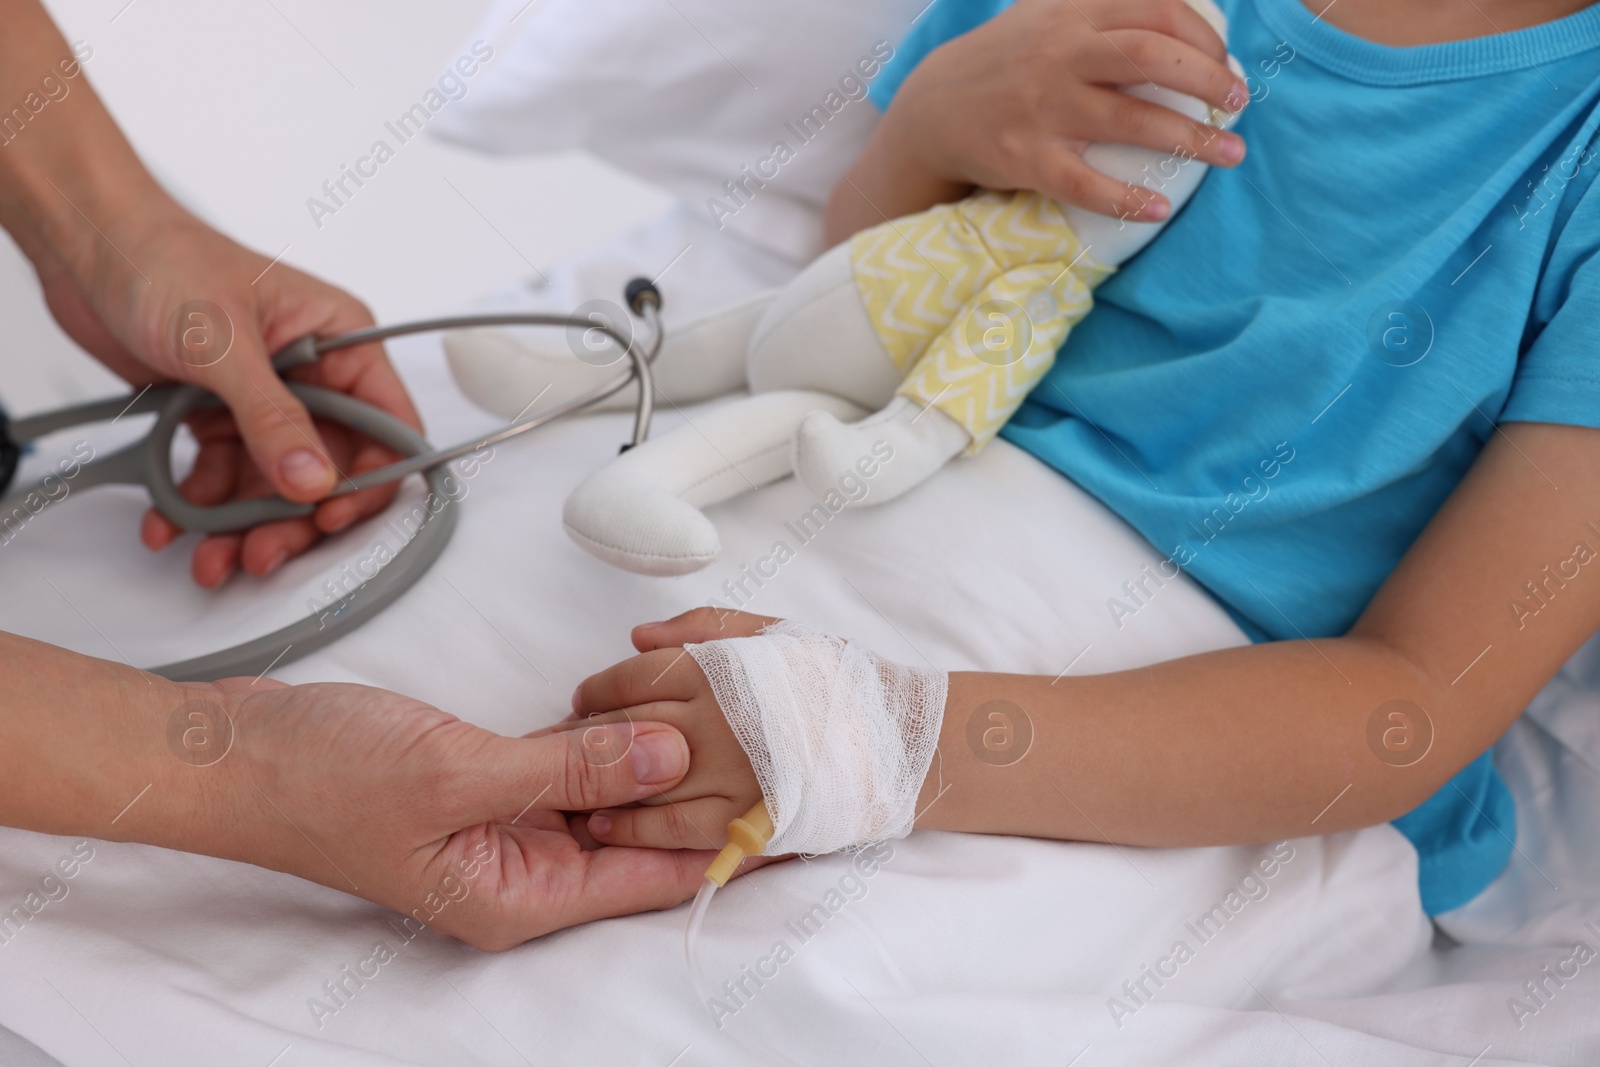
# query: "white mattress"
(960, 949)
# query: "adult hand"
(397, 802)
(132, 307)
(122, 266)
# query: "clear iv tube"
(747, 836)
(702, 984)
(691, 943)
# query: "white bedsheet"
(962, 949)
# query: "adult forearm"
(1244, 744)
(86, 748)
(69, 179)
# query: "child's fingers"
(700, 823)
(699, 625)
(1135, 57)
(667, 674)
(576, 721)
(1073, 181)
(1119, 118)
(1174, 18)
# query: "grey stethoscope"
(148, 463)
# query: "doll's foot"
(891, 451)
(507, 371)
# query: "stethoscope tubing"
(148, 463)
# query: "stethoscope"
(147, 463)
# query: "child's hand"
(665, 684)
(1012, 104)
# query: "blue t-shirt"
(1286, 385)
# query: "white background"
(244, 108)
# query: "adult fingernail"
(275, 562)
(304, 470)
(1156, 210)
(342, 523)
(577, 695)
(599, 824)
(1238, 96)
(659, 756)
(1231, 148)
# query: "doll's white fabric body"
(899, 349)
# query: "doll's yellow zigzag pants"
(972, 299)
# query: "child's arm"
(1246, 744)
(1013, 103)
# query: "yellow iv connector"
(747, 836)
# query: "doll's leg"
(967, 382)
(641, 511)
(816, 335)
(503, 371)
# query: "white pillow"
(695, 95)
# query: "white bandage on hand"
(839, 738)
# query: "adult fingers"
(215, 559)
(270, 545)
(342, 511)
(276, 428)
(625, 881)
(211, 481)
(700, 624)
(577, 770)
(661, 675)
(365, 373)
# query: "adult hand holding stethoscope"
(163, 297)
(400, 795)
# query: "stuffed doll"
(907, 345)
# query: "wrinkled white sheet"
(957, 950)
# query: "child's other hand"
(1012, 104)
(665, 684)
